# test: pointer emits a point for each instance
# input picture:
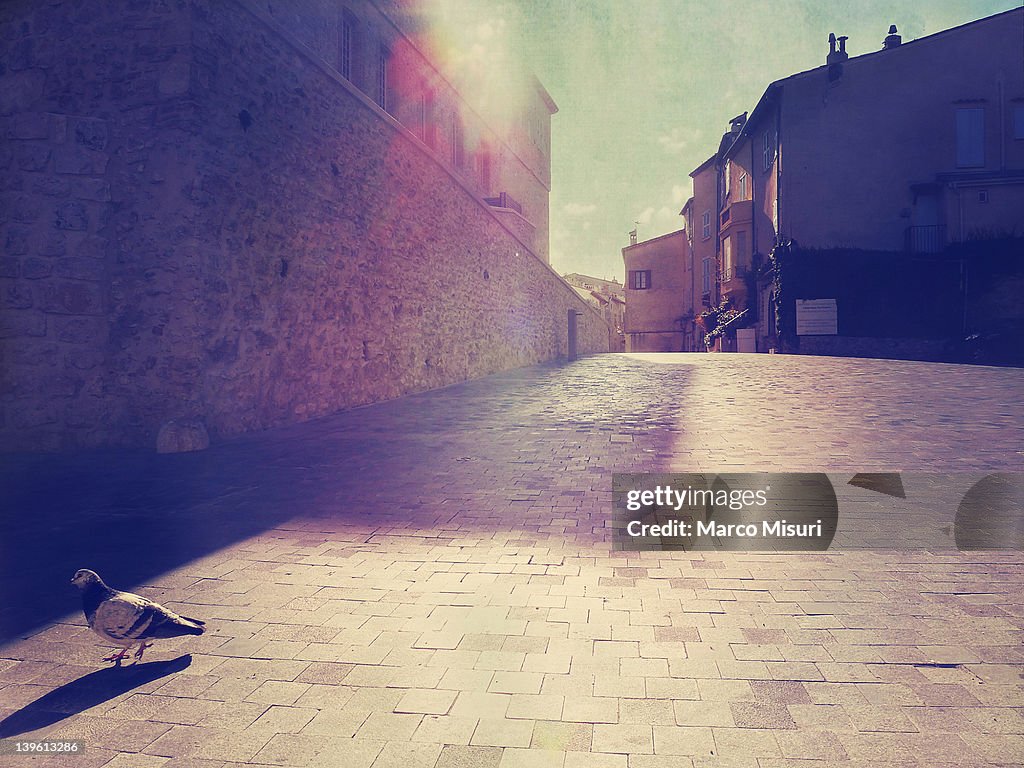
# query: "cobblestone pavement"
(431, 582)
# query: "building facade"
(658, 305)
(249, 214)
(609, 297)
(892, 151)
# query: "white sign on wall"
(816, 317)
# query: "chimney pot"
(893, 39)
(834, 56)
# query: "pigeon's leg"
(117, 656)
(142, 648)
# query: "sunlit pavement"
(431, 582)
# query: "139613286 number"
(46, 746)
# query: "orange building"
(659, 305)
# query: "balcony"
(737, 272)
(504, 200)
(930, 239)
(739, 212)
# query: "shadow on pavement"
(131, 515)
(86, 692)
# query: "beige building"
(658, 300)
(609, 298)
(259, 214)
(495, 133)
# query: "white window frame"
(743, 186)
(705, 221)
(767, 153)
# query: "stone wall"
(202, 221)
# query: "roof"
(548, 101)
(703, 165)
(767, 98)
(654, 239)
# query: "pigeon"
(127, 619)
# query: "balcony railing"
(504, 200)
(733, 272)
(930, 239)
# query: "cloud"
(679, 194)
(645, 216)
(579, 209)
(672, 142)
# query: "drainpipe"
(778, 169)
(1002, 127)
(752, 278)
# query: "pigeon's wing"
(128, 618)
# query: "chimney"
(834, 56)
(893, 40)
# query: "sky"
(645, 89)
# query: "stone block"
(91, 189)
(22, 208)
(81, 330)
(80, 160)
(17, 324)
(9, 266)
(21, 90)
(89, 132)
(34, 268)
(70, 298)
(17, 295)
(33, 157)
(29, 125)
(181, 436)
(83, 359)
(174, 78)
(75, 268)
(71, 215)
(51, 186)
(92, 247)
(16, 241)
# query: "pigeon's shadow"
(85, 692)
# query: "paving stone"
(623, 739)
(562, 737)
(452, 593)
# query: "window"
(426, 118)
(347, 56)
(727, 174)
(970, 138)
(705, 221)
(1018, 122)
(743, 186)
(767, 153)
(706, 277)
(458, 149)
(727, 257)
(483, 166)
(775, 215)
(383, 65)
(640, 279)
